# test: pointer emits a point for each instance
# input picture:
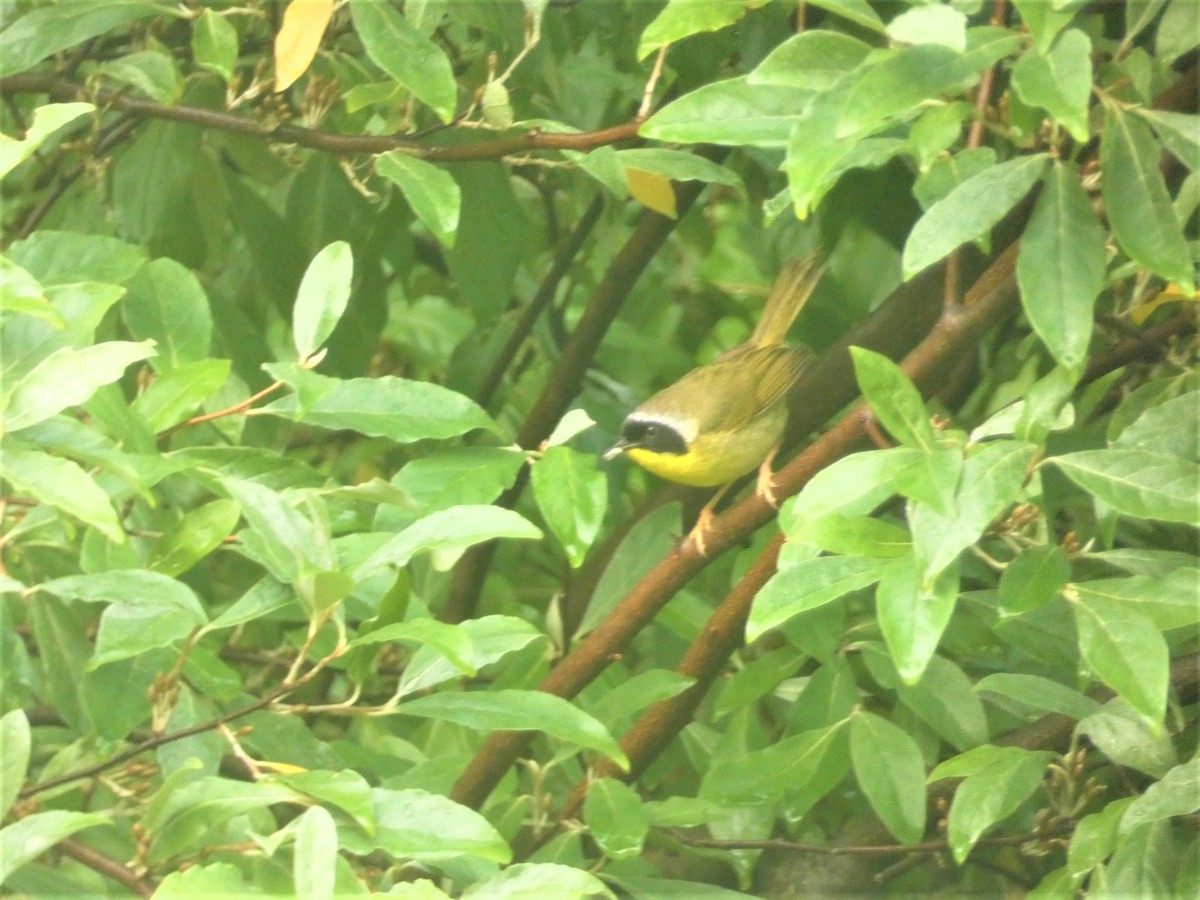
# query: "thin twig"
(648, 93)
(228, 411)
(109, 868)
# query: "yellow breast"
(716, 458)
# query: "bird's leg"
(696, 535)
(766, 479)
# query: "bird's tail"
(791, 291)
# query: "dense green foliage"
(316, 319)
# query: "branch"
(533, 139)
(109, 868)
(992, 298)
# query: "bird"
(721, 420)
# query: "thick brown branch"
(109, 868)
(534, 139)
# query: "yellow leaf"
(299, 37)
(1170, 294)
(280, 767)
(652, 190)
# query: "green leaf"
(14, 758)
(1059, 81)
(932, 478)
(46, 120)
(811, 583)
(732, 112)
(389, 407)
(806, 766)
(756, 679)
(197, 534)
(682, 18)
(678, 166)
(991, 481)
(315, 857)
(813, 60)
(65, 257)
(1179, 132)
(991, 794)
(459, 477)
(322, 298)
(913, 612)
(1095, 837)
(615, 818)
(572, 494)
(47, 29)
(903, 80)
(857, 11)
(346, 790)
(30, 837)
(178, 392)
(852, 486)
(451, 641)
(1033, 578)
(449, 532)
(292, 545)
(1033, 692)
(1125, 651)
(265, 596)
(64, 485)
(212, 880)
(1170, 427)
(943, 698)
(215, 43)
(969, 211)
(510, 710)
(431, 191)
(859, 536)
(151, 72)
(1176, 794)
(890, 771)
(933, 24)
(1137, 482)
(167, 304)
(546, 880)
(636, 693)
(68, 377)
(894, 399)
(1137, 202)
(20, 292)
(1061, 266)
(1125, 737)
(1169, 601)
(492, 638)
(406, 55)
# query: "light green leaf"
(178, 392)
(46, 120)
(1137, 201)
(67, 257)
(1125, 651)
(933, 24)
(68, 377)
(1169, 601)
(806, 586)
(390, 407)
(322, 298)
(1061, 266)
(197, 534)
(167, 304)
(291, 544)
(682, 18)
(805, 766)
(448, 533)
(30, 837)
(1033, 578)
(215, 43)
(150, 72)
(64, 485)
(1124, 736)
(406, 55)
(812, 60)
(890, 771)
(894, 399)
(511, 710)
(491, 638)
(47, 29)
(969, 211)
(1036, 693)
(453, 642)
(345, 789)
(1172, 426)
(572, 494)
(14, 756)
(1059, 81)
(459, 477)
(20, 292)
(1179, 132)
(857, 11)
(1137, 482)
(615, 818)
(991, 794)
(1095, 837)
(913, 612)
(729, 112)
(678, 166)
(315, 858)
(1176, 794)
(537, 880)
(857, 536)
(191, 813)
(431, 191)
(853, 486)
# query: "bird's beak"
(617, 449)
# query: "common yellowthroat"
(719, 421)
